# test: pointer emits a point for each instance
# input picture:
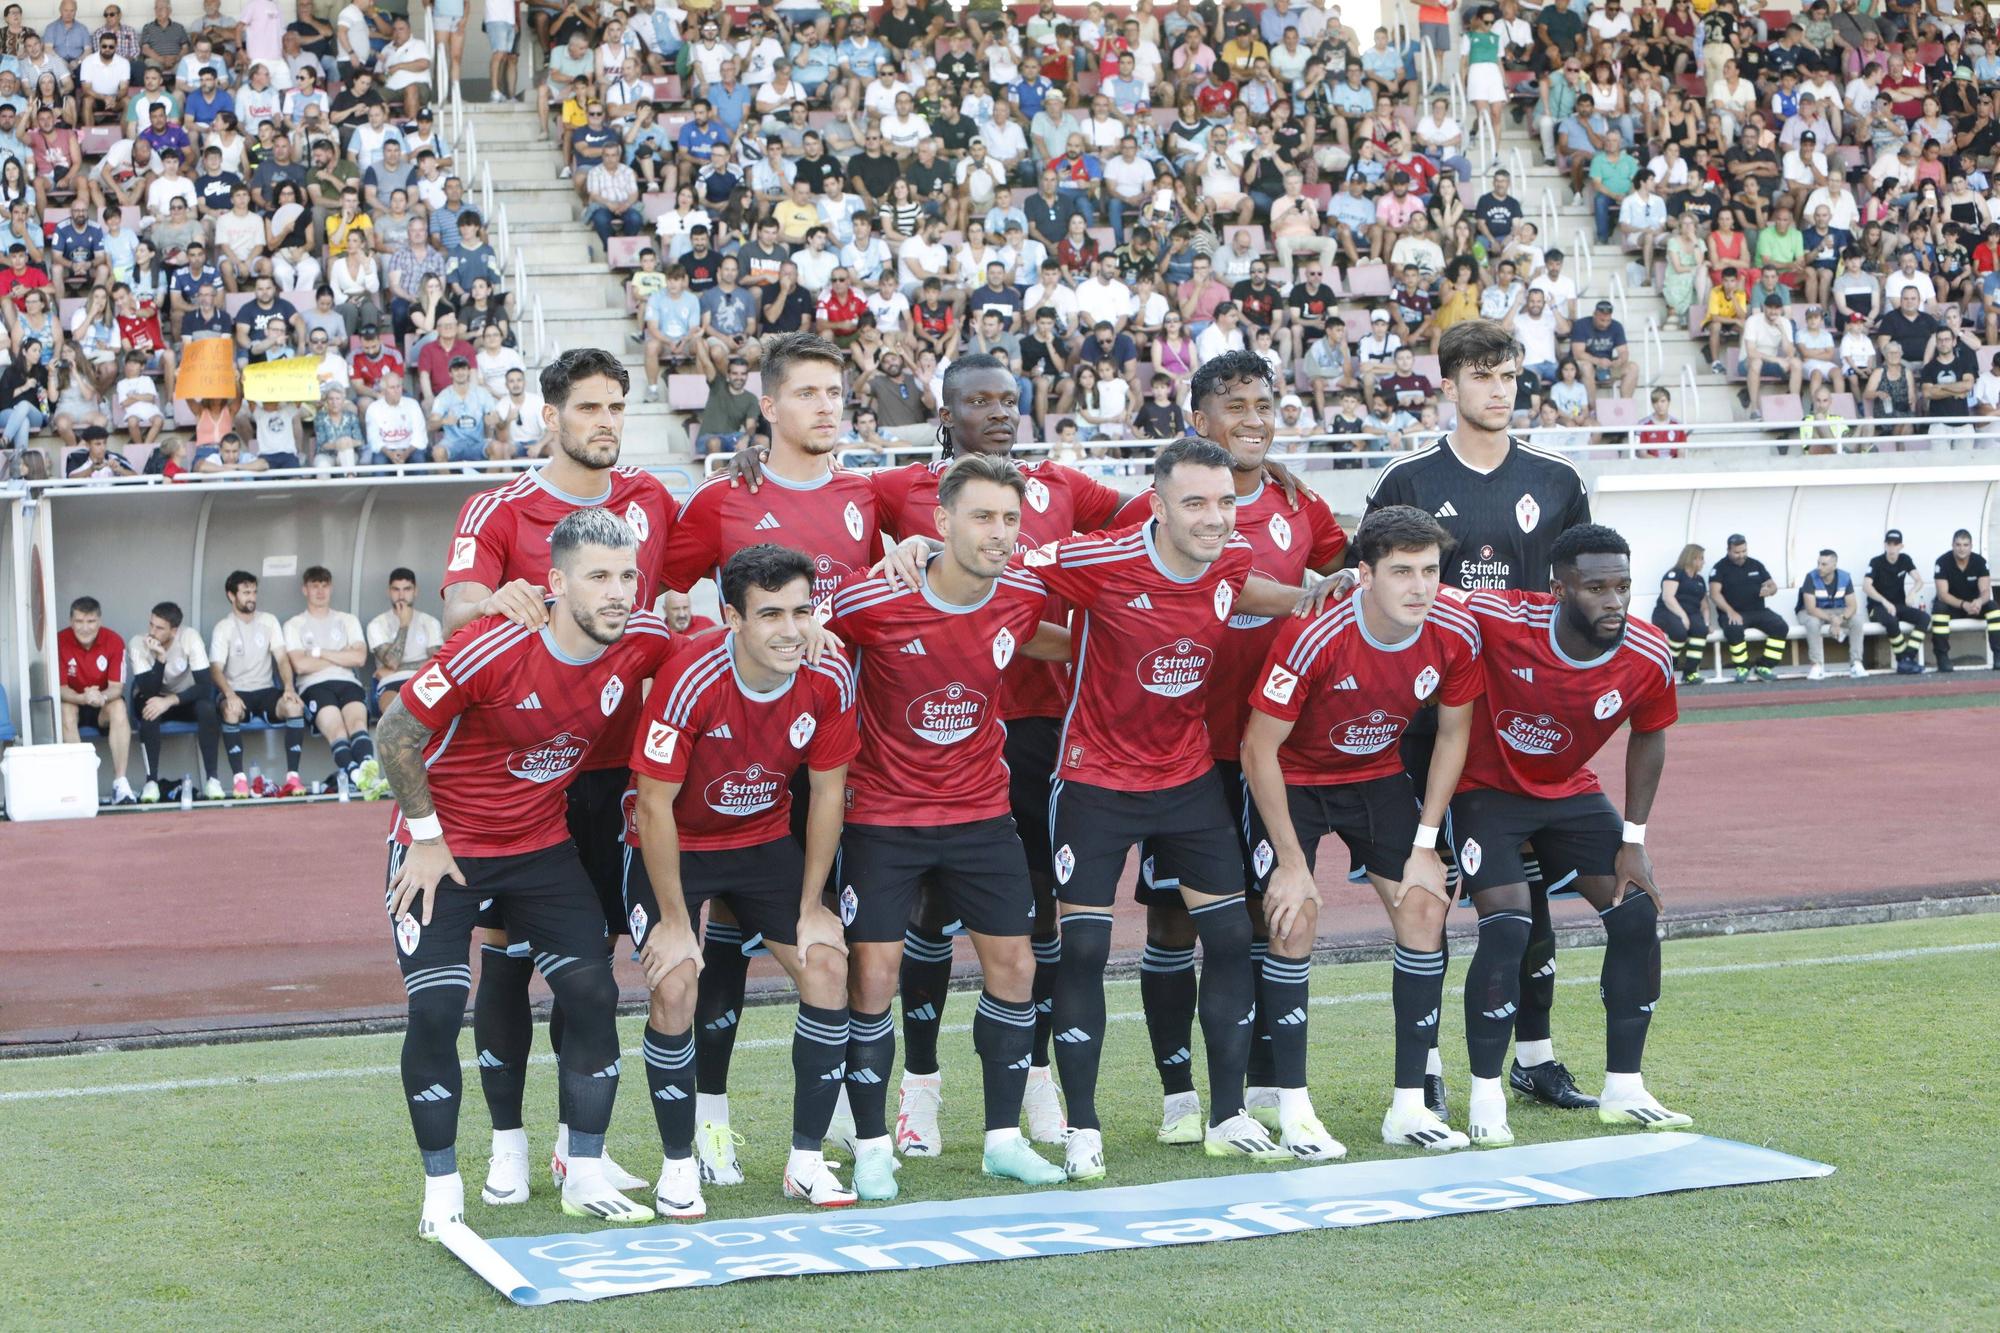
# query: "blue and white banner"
(539, 1270)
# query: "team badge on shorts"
(1527, 513)
(1038, 496)
(635, 515)
(850, 905)
(638, 920)
(1225, 597)
(1608, 704)
(1261, 859)
(1281, 532)
(1469, 856)
(802, 730)
(614, 690)
(1065, 864)
(1427, 680)
(855, 527)
(408, 932)
(1003, 647)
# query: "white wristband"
(425, 828)
(1635, 834)
(1427, 837)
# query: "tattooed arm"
(399, 748)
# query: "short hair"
(589, 527)
(784, 350)
(956, 372)
(1398, 528)
(314, 573)
(1962, 532)
(402, 574)
(765, 565)
(1480, 344)
(169, 612)
(1586, 539)
(1218, 373)
(561, 374)
(1188, 451)
(969, 468)
(1829, 553)
(237, 579)
(87, 605)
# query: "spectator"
(729, 418)
(611, 193)
(326, 647)
(395, 425)
(1964, 591)
(1828, 600)
(230, 458)
(96, 460)
(139, 399)
(371, 365)
(91, 659)
(337, 435)
(1681, 613)
(1737, 586)
(1603, 355)
(401, 639)
(495, 360)
(276, 430)
(468, 419)
(903, 404)
(170, 683)
(678, 611)
(526, 426)
(434, 361)
(1892, 578)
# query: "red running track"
(171, 922)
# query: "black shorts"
(87, 716)
(1570, 836)
(262, 705)
(1159, 884)
(543, 898)
(760, 884)
(1031, 762)
(332, 694)
(979, 867)
(1189, 828)
(1377, 819)
(597, 828)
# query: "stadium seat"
(1366, 280)
(624, 251)
(1781, 408)
(654, 204)
(1617, 412)
(1259, 244)
(687, 393)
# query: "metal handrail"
(1690, 397)
(1654, 350)
(486, 189)
(1580, 245)
(535, 324)
(503, 241)
(1548, 216)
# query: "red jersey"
(832, 520)
(141, 331)
(1351, 697)
(842, 316)
(369, 370)
(1286, 540)
(1543, 714)
(99, 666)
(733, 751)
(1060, 501)
(1145, 647)
(930, 689)
(503, 535)
(514, 722)
(1214, 98)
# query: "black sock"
(1493, 990)
(871, 1057)
(924, 982)
(819, 1063)
(1079, 1013)
(1416, 992)
(1048, 953)
(1283, 997)
(1538, 968)
(588, 1061)
(295, 742)
(718, 1005)
(343, 754)
(503, 1030)
(232, 748)
(1167, 994)
(1262, 1070)
(1630, 979)
(362, 746)
(431, 1079)
(1228, 1000)
(670, 1078)
(556, 1045)
(1002, 1033)
(1444, 963)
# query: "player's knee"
(1304, 931)
(1009, 968)
(872, 973)
(822, 972)
(1635, 918)
(1086, 941)
(1223, 928)
(586, 988)
(670, 1007)
(1168, 926)
(436, 1014)
(1503, 936)
(1419, 921)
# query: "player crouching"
(1320, 755)
(728, 721)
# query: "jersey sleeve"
(1282, 687)
(295, 634)
(1056, 566)
(1391, 488)
(662, 750)
(218, 641)
(379, 633)
(197, 653)
(115, 672)
(837, 738)
(1659, 710)
(479, 546)
(694, 547)
(1464, 678)
(1095, 505)
(1138, 509)
(1577, 510)
(892, 492)
(851, 615)
(1329, 538)
(435, 695)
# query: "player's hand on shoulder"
(820, 639)
(901, 565)
(818, 926)
(746, 467)
(519, 601)
(1335, 587)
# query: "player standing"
(499, 555)
(479, 749)
(932, 664)
(1562, 673)
(1235, 405)
(728, 721)
(1320, 756)
(1504, 504)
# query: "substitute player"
(498, 557)
(1235, 405)
(1134, 764)
(932, 677)
(1562, 672)
(1504, 503)
(1320, 755)
(479, 749)
(728, 720)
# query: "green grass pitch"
(290, 1202)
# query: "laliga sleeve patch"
(638, 920)
(850, 905)
(463, 551)
(1470, 855)
(408, 931)
(660, 742)
(1065, 864)
(1280, 686)
(1041, 555)
(431, 685)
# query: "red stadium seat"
(624, 251)
(1617, 412)
(1781, 408)
(1369, 280)
(687, 393)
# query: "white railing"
(1580, 247)
(536, 327)
(1619, 297)
(1548, 216)
(467, 143)
(1690, 396)
(1652, 351)
(486, 189)
(1517, 166)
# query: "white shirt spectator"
(1537, 337)
(1986, 393)
(354, 23)
(425, 637)
(1846, 212)
(1799, 170)
(1609, 27)
(331, 632)
(186, 655)
(524, 421)
(1645, 212)
(1765, 334)
(1433, 133)
(757, 57)
(244, 648)
(1129, 180)
(1892, 287)
(492, 368)
(934, 259)
(890, 311)
(905, 132)
(1150, 313)
(105, 78)
(162, 191)
(1213, 342)
(133, 388)
(1097, 299)
(239, 235)
(399, 427)
(1561, 292)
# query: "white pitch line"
(1125, 1016)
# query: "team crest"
(1469, 856)
(802, 730)
(408, 932)
(855, 527)
(1527, 513)
(1281, 532)
(1038, 496)
(1225, 597)
(463, 550)
(432, 685)
(103, 663)
(1262, 858)
(1003, 647)
(1065, 864)
(638, 920)
(636, 516)
(850, 905)
(1041, 555)
(1427, 680)
(614, 690)
(1608, 704)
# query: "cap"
(371, 330)
(1379, 317)
(1857, 319)
(1773, 300)
(1894, 535)
(1291, 400)
(1604, 307)
(458, 361)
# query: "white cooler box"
(50, 781)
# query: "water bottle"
(187, 791)
(341, 778)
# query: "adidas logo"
(1347, 683)
(532, 701)
(436, 1092)
(923, 1013)
(1293, 1019)
(1547, 969)
(1424, 1137)
(1180, 1057)
(1141, 603)
(1021, 1063)
(488, 1060)
(1504, 1011)
(1429, 1020)
(1645, 1115)
(721, 733)
(1078, 1037)
(835, 1074)
(612, 1072)
(1449, 511)
(722, 1024)
(915, 647)
(670, 1093)
(766, 523)
(1526, 673)
(864, 1076)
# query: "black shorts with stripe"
(1192, 835)
(541, 898)
(1030, 754)
(596, 815)
(760, 883)
(1377, 819)
(1158, 884)
(979, 867)
(1569, 836)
